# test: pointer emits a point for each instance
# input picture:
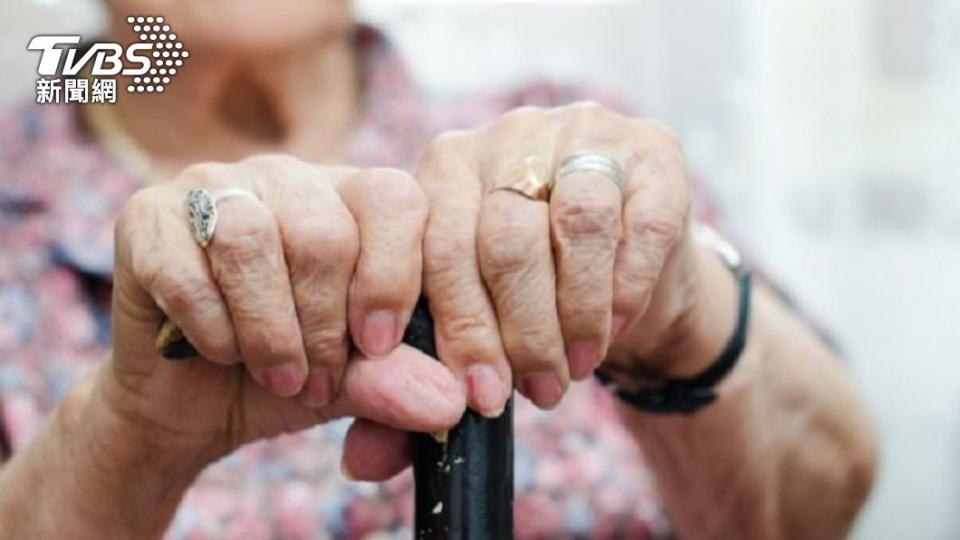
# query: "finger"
(404, 389)
(585, 224)
(247, 261)
(320, 246)
(390, 211)
(160, 265)
(466, 329)
(516, 262)
(657, 202)
(373, 452)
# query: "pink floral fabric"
(578, 472)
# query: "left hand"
(537, 292)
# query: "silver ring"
(202, 211)
(592, 162)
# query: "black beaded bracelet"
(687, 395)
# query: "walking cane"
(463, 478)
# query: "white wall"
(829, 131)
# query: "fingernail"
(485, 390)
(617, 322)
(543, 389)
(284, 380)
(379, 333)
(583, 357)
(319, 389)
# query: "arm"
(87, 475)
(787, 451)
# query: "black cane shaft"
(464, 478)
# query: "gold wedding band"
(530, 178)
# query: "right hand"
(322, 254)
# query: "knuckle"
(664, 151)
(134, 214)
(279, 341)
(640, 278)
(587, 108)
(137, 205)
(446, 248)
(447, 146)
(179, 289)
(320, 242)
(531, 349)
(394, 191)
(520, 123)
(326, 343)
(587, 216)
(219, 344)
(521, 115)
(585, 315)
(660, 232)
(507, 245)
(272, 162)
(206, 174)
(340, 241)
(664, 135)
(244, 239)
(468, 336)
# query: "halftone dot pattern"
(167, 51)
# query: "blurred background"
(828, 133)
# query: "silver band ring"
(202, 211)
(592, 162)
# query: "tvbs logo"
(72, 73)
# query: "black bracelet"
(689, 394)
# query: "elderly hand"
(266, 304)
(536, 292)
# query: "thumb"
(405, 389)
(374, 452)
